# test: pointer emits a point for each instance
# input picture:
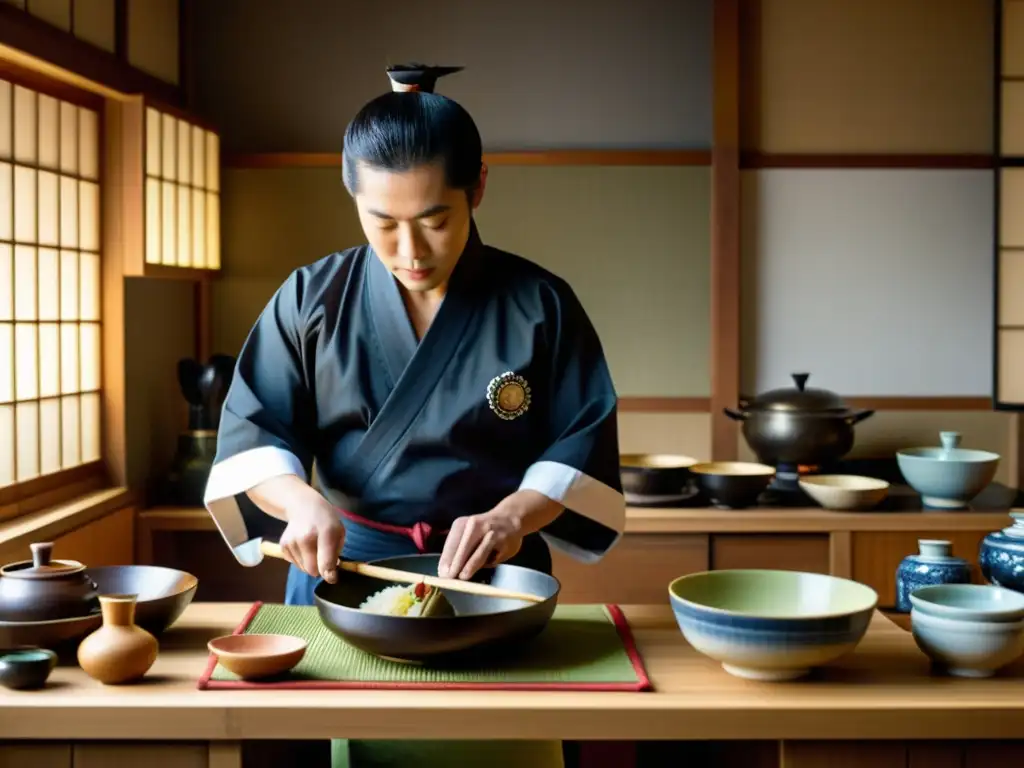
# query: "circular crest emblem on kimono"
(508, 395)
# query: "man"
(452, 397)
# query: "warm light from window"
(182, 193)
(50, 346)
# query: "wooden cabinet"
(799, 552)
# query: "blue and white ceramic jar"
(1001, 555)
(934, 564)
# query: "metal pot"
(42, 589)
(800, 426)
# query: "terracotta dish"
(256, 656)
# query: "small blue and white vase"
(1001, 555)
(934, 564)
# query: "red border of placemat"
(643, 682)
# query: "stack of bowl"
(968, 630)
(771, 625)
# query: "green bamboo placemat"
(584, 647)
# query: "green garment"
(346, 753)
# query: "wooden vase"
(119, 651)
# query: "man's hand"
(495, 536)
(314, 535)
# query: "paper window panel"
(8, 446)
(6, 363)
(212, 231)
(6, 202)
(26, 361)
(70, 373)
(168, 143)
(71, 436)
(89, 286)
(25, 204)
(184, 214)
(89, 357)
(1012, 125)
(6, 119)
(168, 225)
(68, 137)
(49, 436)
(49, 285)
(153, 150)
(49, 131)
(88, 144)
(47, 208)
(184, 152)
(154, 238)
(26, 428)
(49, 359)
(25, 286)
(68, 285)
(212, 162)
(88, 216)
(198, 156)
(90, 426)
(26, 131)
(1011, 365)
(6, 284)
(68, 212)
(1011, 208)
(199, 228)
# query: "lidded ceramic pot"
(933, 564)
(42, 589)
(120, 651)
(1001, 555)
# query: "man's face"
(415, 222)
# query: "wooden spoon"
(271, 549)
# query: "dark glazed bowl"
(27, 668)
(733, 484)
(655, 474)
(163, 593)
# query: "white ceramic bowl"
(967, 648)
(850, 492)
(969, 602)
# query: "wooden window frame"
(32, 495)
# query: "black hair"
(401, 130)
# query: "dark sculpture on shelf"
(205, 388)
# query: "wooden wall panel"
(840, 76)
(37, 755)
(1013, 39)
(808, 553)
(638, 570)
(95, 22)
(107, 541)
(869, 280)
(150, 754)
(153, 43)
(55, 12)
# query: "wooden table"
(884, 693)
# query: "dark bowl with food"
(733, 484)
(163, 594)
(655, 474)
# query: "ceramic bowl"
(655, 474)
(947, 477)
(847, 492)
(771, 625)
(733, 484)
(27, 668)
(965, 648)
(969, 602)
(256, 656)
(163, 593)
(56, 634)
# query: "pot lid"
(41, 566)
(798, 398)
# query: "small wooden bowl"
(255, 656)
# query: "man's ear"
(478, 193)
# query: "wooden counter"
(883, 691)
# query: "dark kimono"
(508, 389)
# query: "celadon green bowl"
(771, 625)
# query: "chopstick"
(272, 549)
